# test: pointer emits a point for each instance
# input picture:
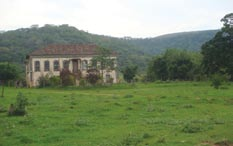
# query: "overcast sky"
(119, 18)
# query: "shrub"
(192, 128)
(43, 81)
(67, 78)
(161, 140)
(54, 81)
(46, 81)
(93, 76)
(82, 82)
(2, 110)
(146, 135)
(20, 106)
(128, 96)
(218, 79)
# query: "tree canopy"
(129, 73)
(7, 72)
(218, 52)
(174, 64)
(16, 44)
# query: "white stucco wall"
(30, 69)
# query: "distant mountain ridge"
(183, 40)
(14, 45)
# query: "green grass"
(176, 113)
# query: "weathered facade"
(53, 58)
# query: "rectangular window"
(46, 66)
(66, 64)
(56, 65)
(84, 64)
(37, 66)
(108, 79)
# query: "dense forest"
(14, 45)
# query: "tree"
(174, 64)
(157, 69)
(129, 73)
(7, 72)
(218, 52)
(103, 61)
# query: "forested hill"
(184, 40)
(14, 45)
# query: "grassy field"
(175, 114)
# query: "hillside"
(184, 40)
(14, 45)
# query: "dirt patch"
(223, 143)
(220, 143)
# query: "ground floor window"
(84, 64)
(66, 64)
(109, 79)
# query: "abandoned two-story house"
(53, 58)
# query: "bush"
(20, 106)
(93, 76)
(46, 81)
(54, 81)
(67, 78)
(218, 79)
(43, 81)
(192, 128)
(82, 82)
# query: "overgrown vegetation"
(175, 64)
(19, 108)
(8, 72)
(218, 52)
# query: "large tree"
(174, 64)
(7, 72)
(129, 73)
(218, 52)
(103, 61)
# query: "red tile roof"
(78, 49)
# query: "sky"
(118, 18)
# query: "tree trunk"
(2, 89)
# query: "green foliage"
(43, 81)
(7, 72)
(82, 82)
(55, 81)
(129, 73)
(46, 81)
(104, 59)
(19, 109)
(93, 76)
(15, 45)
(192, 128)
(218, 52)
(67, 78)
(218, 79)
(175, 64)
